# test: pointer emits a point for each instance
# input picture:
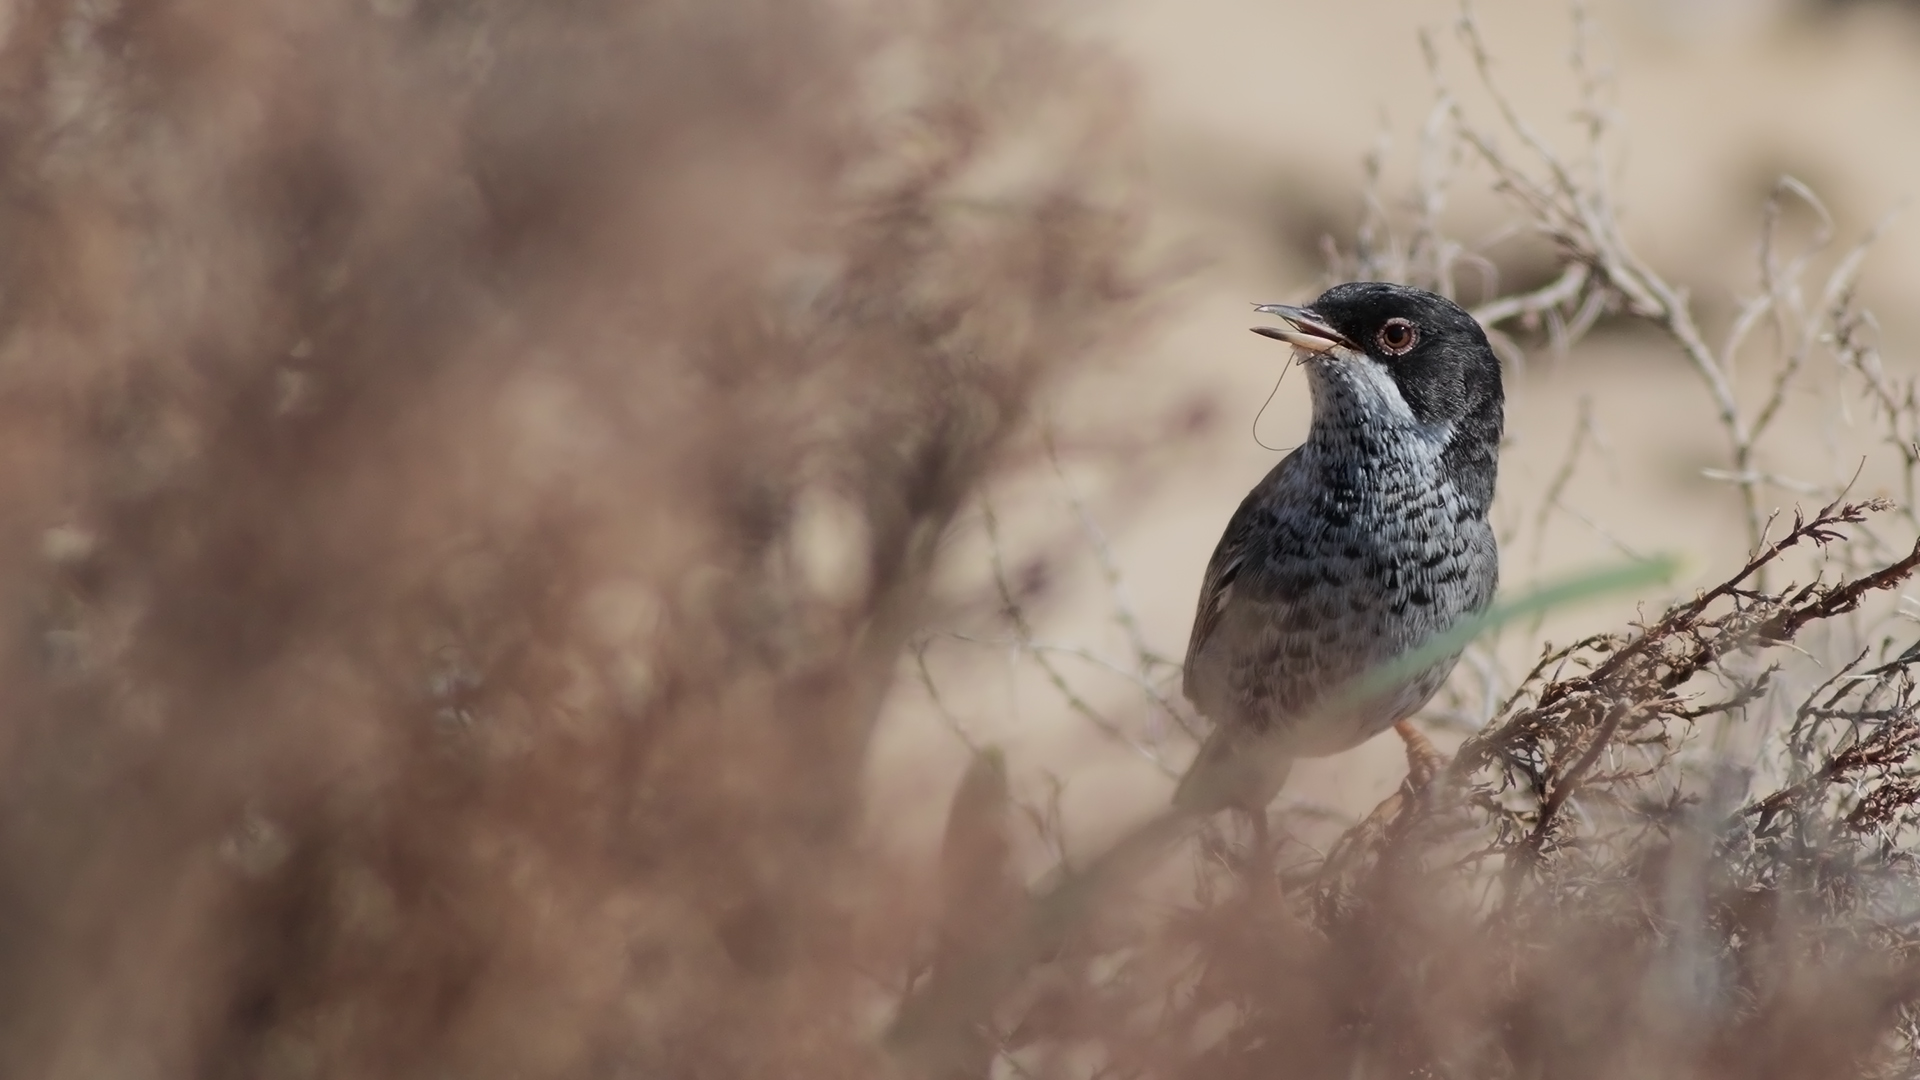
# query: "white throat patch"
(1355, 392)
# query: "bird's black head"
(1437, 360)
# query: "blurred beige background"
(1258, 115)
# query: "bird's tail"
(1232, 770)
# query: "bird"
(1361, 546)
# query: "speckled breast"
(1368, 557)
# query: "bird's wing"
(1236, 546)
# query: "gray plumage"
(1360, 546)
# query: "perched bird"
(1361, 545)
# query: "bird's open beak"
(1304, 329)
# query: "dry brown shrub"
(470, 467)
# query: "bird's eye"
(1398, 336)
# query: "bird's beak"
(1304, 329)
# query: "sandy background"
(1258, 115)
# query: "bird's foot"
(1423, 761)
(1423, 765)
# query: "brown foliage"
(416, 415)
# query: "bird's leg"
(1423, 764)
(1423, 761)
(1260, 868)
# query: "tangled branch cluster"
(1557, 730)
